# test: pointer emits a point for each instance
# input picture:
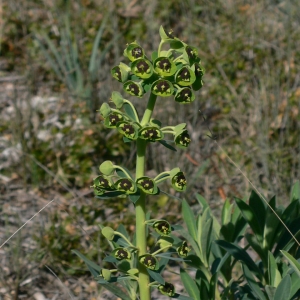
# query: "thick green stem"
(140, 207)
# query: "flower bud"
(149, 261)
(167, 289)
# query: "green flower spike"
(151, 133)
(126, 185)
(167, 289)
(147, 185)
(163, 66)
(121, 253)
(112, 120)
(199, 72)
(149, 261)
(120, 72)
(178, 180)
(184, 95)
(142, 68)
(182, 140)
(134, 51)
(133, 88)
(183, 249)
(185, 76)
(162, 87)
(162, 227)
(128, 129)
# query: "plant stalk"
(140, 207)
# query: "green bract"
(120, 72)
(128, 129)
(121, 253)
(184, 95)
(191, 54)
(162, 87)
(126, 185)
(112, 120)
(185, 76)
(167, 289)
(133, 88)
(162, 227)
(178, 180)
(149, 261)
(108, 232)
(117, 99)
(147, 185)
(198, 70)
(133, 51)
(105, 110)
(107, 167)
(151, 134)
(106, 274)
(182, 139)
(142, 68)
(164, 66)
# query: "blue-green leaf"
(293, 262)
(190, 285)
(189, 219)
(87, 261)
(295, 193)
(284, 288)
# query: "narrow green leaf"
(293, 262)
(253, 284)
(189, 219)
(270, 290)
(284, 288)
(156, 276)
(213, 285)
(251, 218)
(116, 291)
(206, 239)
(252, 240)
(87, 261)
(295, 193)
(240, 254)
(201, 200)
(226, 212)
(167, 145)
(274, 276)
(295, 287)
(190, 285)
(258, 206)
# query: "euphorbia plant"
(174, 72)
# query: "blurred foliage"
(250, 99)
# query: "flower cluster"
(176, 71)
(117, 181)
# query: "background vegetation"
(55, 61)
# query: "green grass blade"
(293, 262)
(190, 285)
